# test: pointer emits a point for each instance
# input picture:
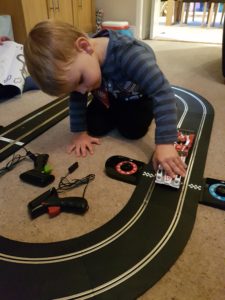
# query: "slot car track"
(24, 130)
(126, 256)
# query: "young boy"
(128, 89)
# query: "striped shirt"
(130, 72)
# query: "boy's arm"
(81, 142)
(77, 112)
(140, 67)
(138, 63)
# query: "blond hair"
(49, 50)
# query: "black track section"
(127, 255)
(32, 125)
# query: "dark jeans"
(10, 91)
(131, 118)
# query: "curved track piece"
(127, 255)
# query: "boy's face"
(84, 74)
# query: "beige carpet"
(199, 273)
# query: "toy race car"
(185, 139)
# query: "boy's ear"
(83, 44)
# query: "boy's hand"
(167, 156)
(82, 143)
(4, 38)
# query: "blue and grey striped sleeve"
(139, 65)
(77, 112)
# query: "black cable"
(17, 158)
(66, 184)
(90, 177)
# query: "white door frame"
(153, 16)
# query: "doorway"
(193, 31)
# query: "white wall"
(136, 12)
(118, 10)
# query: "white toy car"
(184, 143)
